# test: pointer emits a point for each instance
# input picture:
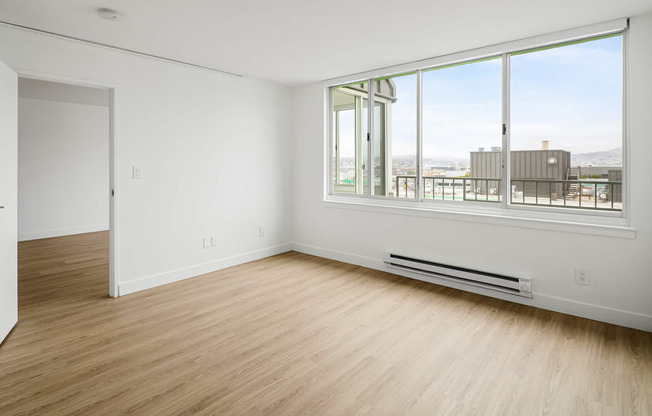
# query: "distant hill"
(611, 157)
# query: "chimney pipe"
(544, 144)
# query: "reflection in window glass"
(350, 147)
(395, 136)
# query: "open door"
(8, 200)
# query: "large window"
(566, 125)
(538, 127)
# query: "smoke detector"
(108, 14)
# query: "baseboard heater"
(518, 286)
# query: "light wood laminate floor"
(300, 335)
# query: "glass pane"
(350, 146)
(566, 125)
(395, 134)
(462, 136)
(346, 153)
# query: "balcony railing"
(446, 188)
(584, 194)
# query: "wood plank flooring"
(300, 335)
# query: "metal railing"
(449, 188)
(585, 194)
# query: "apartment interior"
(170, 244)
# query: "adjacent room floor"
(300, 335)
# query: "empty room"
(202, 212)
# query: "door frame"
(114, 195)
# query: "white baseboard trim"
(540, 300)
(595, 312)
(148, 282)
(342, 256)
(61, 232)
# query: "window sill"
(608, 225)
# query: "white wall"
(63, 165)
(213, 149)
(621, 268)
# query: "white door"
(8, 200)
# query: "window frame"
(462, 203)
(358, 105)
(503, 208)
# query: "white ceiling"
(300, 41)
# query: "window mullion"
(371, 105)
(359, 172)
(331, 163)
(506, 130)
(625, 189)
(418, 182)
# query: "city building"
(546, 175)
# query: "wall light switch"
(137, 173)
(207, 242)
(213, 241)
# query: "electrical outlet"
(582, 277)
(261, 231)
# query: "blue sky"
(571, 96)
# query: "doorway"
(65, 170)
